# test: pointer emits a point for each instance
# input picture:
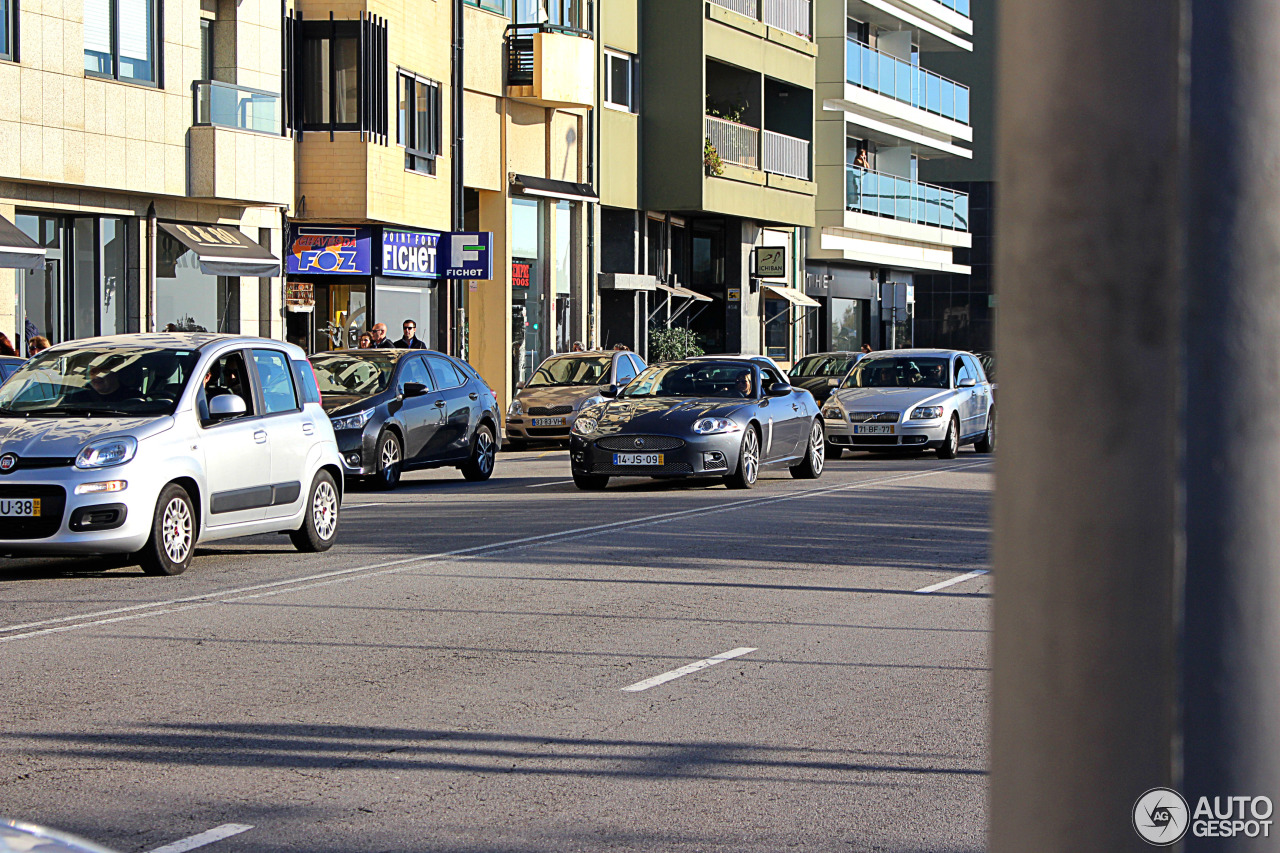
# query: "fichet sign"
(411, 254)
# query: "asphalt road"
(450, 676)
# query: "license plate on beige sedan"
(20, 507)
(873, 429)
(637, 459)
(546, 422)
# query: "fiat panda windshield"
(361, 376)
(99, 381)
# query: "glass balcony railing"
(961, 6)
(890, 76)
(227, 105)
(904, 199)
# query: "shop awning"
(225, 251)
(684, 292)
(17, 250)
(793, 296)
(547, 188)
(626, 281)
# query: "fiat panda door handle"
(308, 429)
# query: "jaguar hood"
(64, 437)
(661, 414)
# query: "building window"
(9, 30)
(619, 80)
(558, 13)
(330, 76)
(187, 298)
(418, 122)
(499, 6)
(121, 38)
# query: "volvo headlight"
(926, 413)
(515, 408)
(714, 426)
(584, 426)
(356, 421)
(104, 454)
(833, 413)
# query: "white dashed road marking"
(685, 670)
(216, 834)
(953, 581)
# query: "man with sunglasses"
(410, 339)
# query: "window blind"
(135, 30)
(97, 26)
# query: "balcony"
(550, 65)
(226, 105)
(959, 6)
(748, 147)
(790, 16)
(906, 200)
(909, 84)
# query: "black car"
(9, 365)
(395, 410)
(822, 372)
(699, 418)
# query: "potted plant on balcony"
(711, 159)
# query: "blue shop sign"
(470, 255)
(411, 254)
(329, 250)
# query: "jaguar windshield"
(99, 381)
(823, 365)
(698, 379)
(360, 376)
(585, 370)
(899, 372)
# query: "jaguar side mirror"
(779, 389)
(226, 406)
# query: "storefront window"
(397, 300)
(188, 300)
(81, 291)
(777, 329)
(528, 288)
(564, 276)
(847, 321)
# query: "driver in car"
(106, 384)
(743, 385)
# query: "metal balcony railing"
(785, 155)
(735, 143)
(792, 16)
(226, 105)
(904, 199)
(890, 76)
(519, 47)
(961, 6)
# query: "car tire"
(987, 444)
(590, 482)
(950, 446)
(810, 468)
(748, 470)
(390, 457)
(484, 451)
(320, 519)
(173, 534)
(834, 451)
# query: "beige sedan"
(546, 406)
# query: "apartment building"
(712, 101)
(143, 167)
(368, 106)
(882, 115)
(528, 100)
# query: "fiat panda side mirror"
(226, 406)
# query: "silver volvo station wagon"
(152, 444)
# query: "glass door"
(342, 313)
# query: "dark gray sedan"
(395, 410)
(699, 418)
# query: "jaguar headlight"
(714, 426)
(104, 454)
(584, 426)
(356, 421)
(515, 408)
(926, 413)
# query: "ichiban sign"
(769, 262)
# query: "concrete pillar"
(1231, 649)
(1086, 507)
(489, 305)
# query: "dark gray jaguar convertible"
(698, 418)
